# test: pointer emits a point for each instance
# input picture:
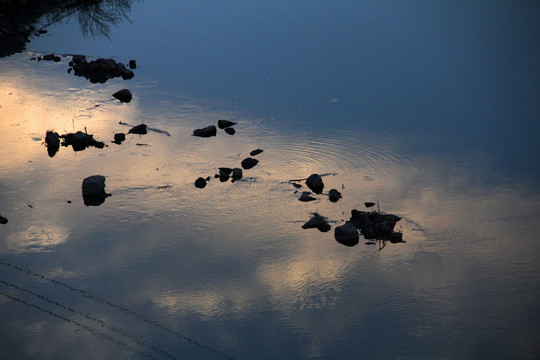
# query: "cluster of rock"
(78, 141)
(100, 70)
(315, 183)
(226, 173)
(211, 130)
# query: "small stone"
(48, 57)
(248, 163)
(222, 124)
(317, 221)
(334, 195)
(315, 183)
(132, 64)
(236, 174)
(123, 95)
(119, 137)
(205, 132)
(230, 131)
(139, 129)
(93, 190)
(346, 234)
(3, 220)
(305, 197)
(255, 152)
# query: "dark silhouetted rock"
(248, 163)
(78, 58)
(224, 174)
(317, 221)
(346, 234)
(255, 152)
(205, 132)
(200, 183)
(123, 95)
(305, 197)
(101, 70)
(93, 190)
(236, 174)
(140, 129)
(315, 183)
(132, 64)
(296, 185)
(51, 57)
(223, 124)
(80, 141)
(374, 225)
(119, 138)
(52, 139)
(225, 170)
(3, 220)
(369, 204)
(230, 131)
(334, 195)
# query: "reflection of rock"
(223, 124)
(80, 141)
(123, 95)
(315, 183)
(346, 234)
(317, 221)
(375, 225)
(236, 174)
(334, 195)
(119, 138)
(52, 139)
(255, 152)
(3, 220)
(101, 70)
(93, 190)
(305, 197)
(205, 132)
(140, 129)
(230, 131)
(248, 163)
(200, 183)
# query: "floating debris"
(205, 132)
(317, 221)
(223, 124)
(123, 95)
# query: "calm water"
(430, 108)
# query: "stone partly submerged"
(236, 174)
(93, 190)
(230, 131)
(100, 70)
(306, 196)
(205, 132)
(223, 124)
(334, 195)
(200, 183)
(255, 152)
(317, 221)
(80, 141)
(52, 140)
(376, 225)
(249, 163)
(140, 129)
(119, 138)
(123, 95)
(315, 183)
(346, 234)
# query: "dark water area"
(429, 109)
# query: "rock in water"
(305, 197)
(141, 129)
(200, 183)
(119, 137)
(236, 174)
(334, 195)
(3, 220)
(230, 131)
(346, 234)
(205, 132)
(255, 152)
(315, 183)
(223, 124)
(375, 225)
(317, 221)
(248, 163)
(123, 95)
(93, 190)
(52, 139)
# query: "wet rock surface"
(206, 132)
(315, 183)
(317, 221)
(123, 95)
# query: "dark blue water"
(429, 108)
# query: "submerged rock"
(140, 129)
(255, 152)
(223, 124)
(52, 140)
(315, 183)
(230, 131)
(317, 221)
(305, 197)
(375, 225)
(205, 132)
(3, 220)
(93, 190)
(236, 174)
(346, 234)
(200, 183)
(123, 95)
(248, 163)
(334, 195)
